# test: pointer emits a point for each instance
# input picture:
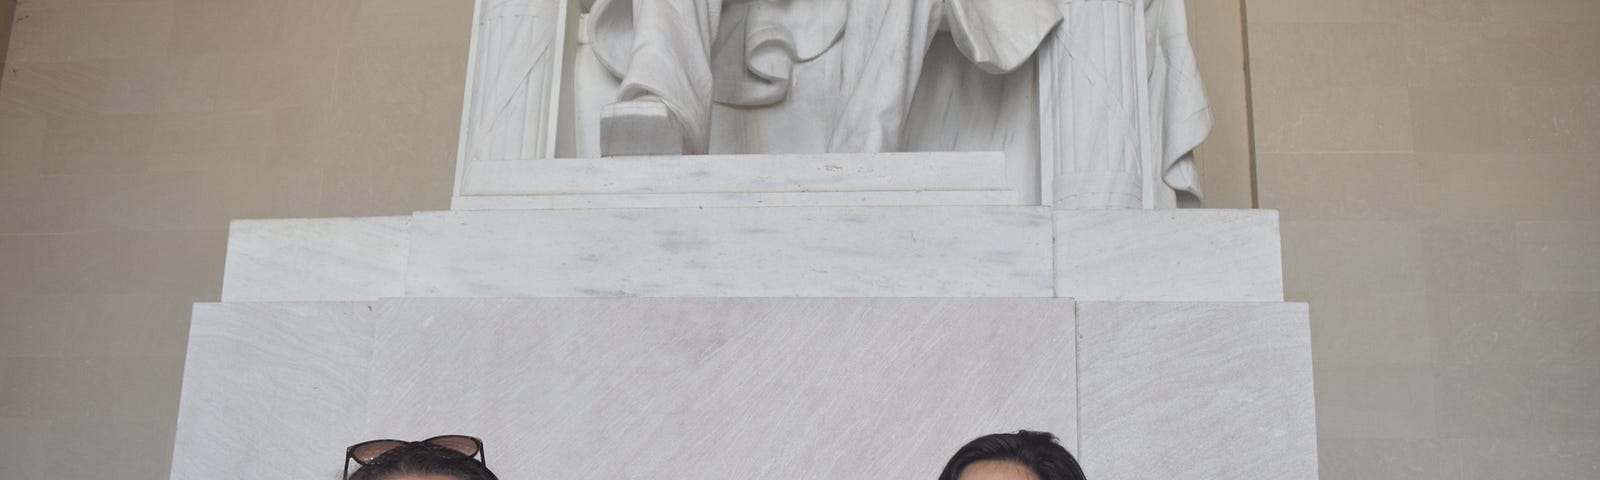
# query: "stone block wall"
(131, 132)
(1434, 163)
(7, 9)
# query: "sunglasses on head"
(368, 452)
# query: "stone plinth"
(602, 388)
(317, 259)
(838, 317)
(271, 388)
(882, 179)
(613, 388)
(1191, 255)
(733, 252)
(1195, 390)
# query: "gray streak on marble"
(734, 252)
(1196, 390)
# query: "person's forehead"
(425, 477)
(996, 470)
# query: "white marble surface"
(272, 390)
(1097, 152)
(838, 76)
(513, 80)
(959, 171)
(723, 388)
(642, 127)
(734, 252)
(754, 387)
(910, 198)
(885, 179)
(1196, 390)
(683, 55)
(316, 259)
(1169, 255)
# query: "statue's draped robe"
(688, 53)
(1121, 132)
(506, 123)
(858, 63)
(1179, 112)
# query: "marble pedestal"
(605, 388)
(922, 251)
(732, 332)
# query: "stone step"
(1169, 255)
(933, 178)
(602, 388)
(316, 259)
(734, 252)
(971, 251)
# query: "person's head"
(440, 458)
(1023, 455)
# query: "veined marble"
(1105, 115)
(908, 198)
(272, 390)
(813, 251)
(723, 388)
(1196, 390)
(1169, 255)
(897, 179)
(734, 252)
(316, 259)
(741, 174)
(752, 387)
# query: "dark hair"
(1038, 451)
(424, 459)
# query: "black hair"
(1038, 451)
(424, 459)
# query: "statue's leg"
(667, 88)
(887, 42)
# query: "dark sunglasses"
(367, 453)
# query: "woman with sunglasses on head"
(446, 457)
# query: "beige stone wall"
(131, 131)
(7, 8)
(1436, 164)
(1216, 27)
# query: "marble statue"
(1097, 104)
(675, 57)
(1121, 106)
(1181, 115)
(512, 86)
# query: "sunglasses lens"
(468, 446)
(365, 453)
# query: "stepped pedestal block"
(684, 388)
(734, 252)
(287, 382)
(774, 317)
(1185, 255)
(878, 179)
(317, 259)
(1169, 255)
(1195, 390)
